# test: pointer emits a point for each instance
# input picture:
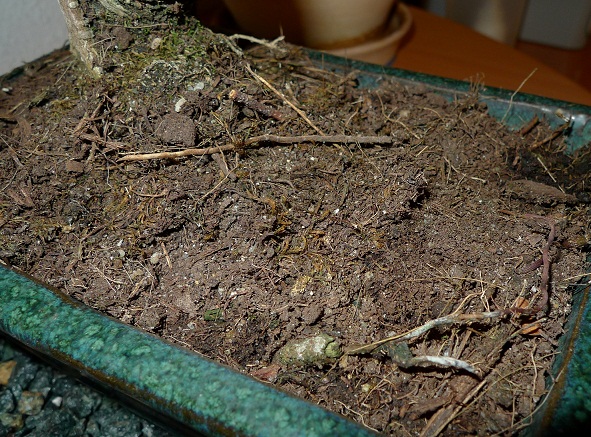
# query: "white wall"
(565, 24)
(29, 29)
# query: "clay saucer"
(382, 49)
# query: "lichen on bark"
(88, 20)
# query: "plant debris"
(238, 199)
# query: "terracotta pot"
(320, 24)
(382, 49)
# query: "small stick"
(544, 262)
(445, 362)
(344, 139)
(111, 145)
(516, 92)
(439, 421)
(450, 319)
(282, 97)
(549, 172)
(179, 154)
(545, 279)
(153, 196)
(529, 126)
(219, 159)
(255, 105)
(555, 134)
(166, 255)
(263, 42)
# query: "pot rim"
(398, 26)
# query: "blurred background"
(449, 38)
(554, 32)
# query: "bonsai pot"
(199, 395)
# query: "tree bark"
(84, 16)
(80, 34)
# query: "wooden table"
(444, 48)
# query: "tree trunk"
(85, 17)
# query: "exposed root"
(269, 44)
(451, 319)
(276, 139)
(398, 351)
(544, 262)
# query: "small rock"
(42, 381)
(151, 319)
(82, 401)
(179, 104)
(11, 421)
(30, 403)
(311, 314)
(6, 369)
(150, 430)
(6, 402)
(22, 376)
(268, 374)
(57, 401)
(54, 423)
(62, 385)
(7, 352)
(318, 350)
(155, 258)
(115, 421)
(122, 37)
(155, 43)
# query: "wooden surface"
(444, 48)
(575, 64)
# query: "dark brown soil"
(235, 252)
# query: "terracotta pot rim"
(398, 26)
(327, 24)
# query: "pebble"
(30, 403)
(37, 400)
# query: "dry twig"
(457, 318)
(516, 92)
(285, 99)
(276, 139)
(270, 44)
(451, 319)
(529, 126)
(555, 134)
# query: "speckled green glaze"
(567, 410)
(206, 396)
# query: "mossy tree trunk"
(87, 20)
